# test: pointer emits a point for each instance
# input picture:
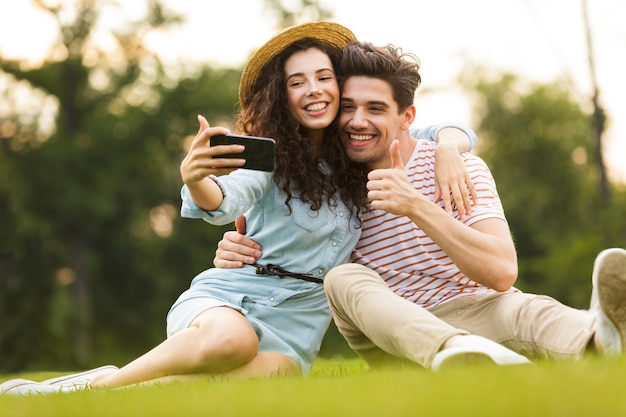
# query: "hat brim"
(329, 33)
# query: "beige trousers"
(372, 318)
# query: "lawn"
(591, 387)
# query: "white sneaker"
(27, 387)
(608, 300)
(66, 383)
(472, 349)
(81, 378)
(12, 383)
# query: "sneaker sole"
(463, 359)
(80, 377)
(610, 282)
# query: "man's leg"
(530, 324)
(370, 316)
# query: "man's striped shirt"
(412, 264)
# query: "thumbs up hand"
(390, 189)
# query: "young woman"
(269, 318)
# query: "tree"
(599, 117)
(539, 143)
(90, 207)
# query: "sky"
(539, 40)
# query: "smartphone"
(258, 152)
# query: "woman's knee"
(225, 341)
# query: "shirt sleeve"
(488, 204)
(430, 132)
(241, 189)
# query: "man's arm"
(235, 249)
(484, 252)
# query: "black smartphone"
(258, 152)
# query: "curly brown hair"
(265, 113)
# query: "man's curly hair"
(265, 113)
(388, 63)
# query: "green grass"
(591, 387)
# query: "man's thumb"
(396, 157)
(240, 225)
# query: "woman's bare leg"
(264, 365)
(217, 341)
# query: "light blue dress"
(289, 315)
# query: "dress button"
(272, 299)
(334, 244)
(320, 271)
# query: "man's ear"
(409, 116)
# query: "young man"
(432, 288)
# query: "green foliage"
(539, 143)
(93, 250)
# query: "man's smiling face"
(369, 120)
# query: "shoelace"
(276, 270)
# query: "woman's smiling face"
(312, 90)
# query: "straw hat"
(332, 34)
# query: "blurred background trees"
(92, 248)
(540, 144)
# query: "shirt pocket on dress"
(311, 220)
